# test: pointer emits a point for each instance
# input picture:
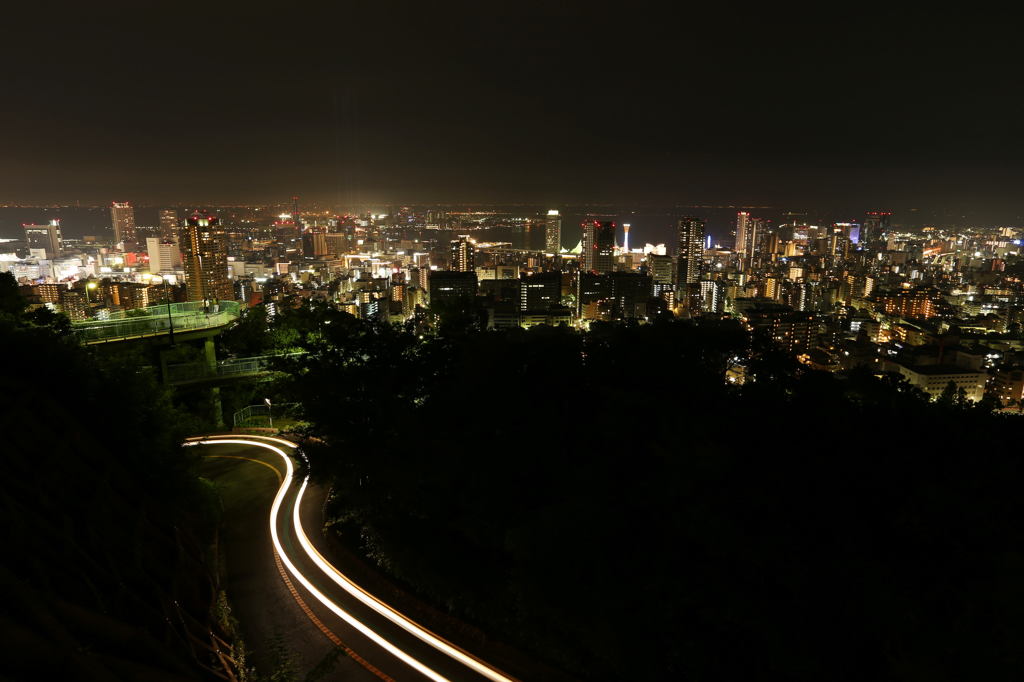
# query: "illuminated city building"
(540, 291)
(712, 296)
(314, 243)
(463, 257)
(915, 303)
(204, 253)
(169, 224)
(691, 250)
(452, 285)
(553, 232)
(122, 217)
(598, 253)
(743, 226)
(935, 379)
(164, 255)
(876, 223)
(44, 238)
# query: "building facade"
(204, 254)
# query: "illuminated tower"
(204, 252)
(625, 237)
(691, 250)
(169, 224)
(463, 255)
(598, 246)
(553, 233)
(122, 217)
(742, 230)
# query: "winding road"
(377, 641)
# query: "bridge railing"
(155, 320)
(232, 367)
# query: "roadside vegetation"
(107, 532)
(607, 502)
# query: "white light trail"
(383, 609)
(275, 510)
(372, 602)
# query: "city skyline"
(512, 340)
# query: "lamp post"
(270, 407)
(89, 285)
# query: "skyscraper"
(169, 224)
(463, 255)
(598, 246)
(691, 250)
(204, 252)
(553, 232)
(122, 217)
(875, 224)
(44, 238)
(742, 229)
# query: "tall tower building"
(169, 224)
(742, 229)
(204, 252)
(122, 217)
(691, 250)
(625, 237)
(45, 238)
(553, 233)
(875, 224)
(598, 246)
(463, 255)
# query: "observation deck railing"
(157, 320)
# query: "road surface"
(290, 598)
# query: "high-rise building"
(463, 255)
(164, 255)
(169, 224)
(122, 217)
(553, 232)
(204, 251)
(598, 246)
(540, 291)
(875, 224)
(691, 250)
(742, 230)
(45, 238)
(314, 243)
(712, 296)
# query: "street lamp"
(89, 285)
(271, 411)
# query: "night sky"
(510, 101)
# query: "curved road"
(377, 641)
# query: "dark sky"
(510, 101)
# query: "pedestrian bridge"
(157, 320)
